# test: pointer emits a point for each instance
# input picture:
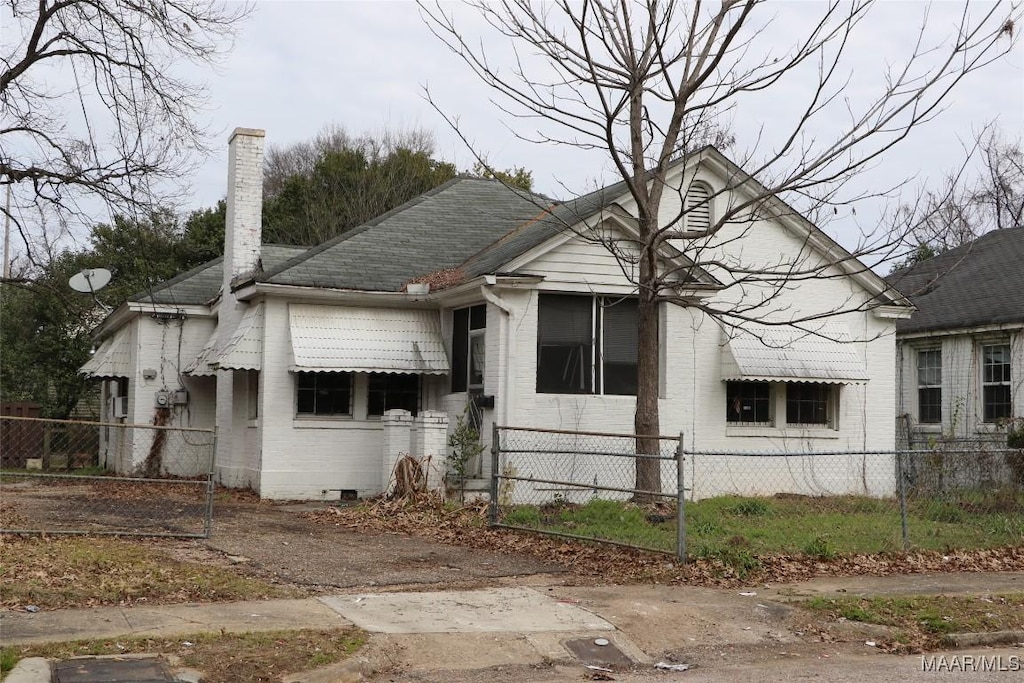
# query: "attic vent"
(698, 207)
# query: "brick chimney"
(244, 224)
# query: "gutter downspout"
(504, 330)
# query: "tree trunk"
(647, 422)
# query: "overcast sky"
(297, 66)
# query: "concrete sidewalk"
(165, 620)
(418, 633)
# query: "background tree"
(966, 205)
(641, 79)
(46, 327)
(95, 113)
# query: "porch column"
(397, 427)
(430, 440)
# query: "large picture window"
(929, 386)
(748, 403)
(809, 403)
(995, 382)
(388, 391)
(586, 345)
(469, 328)
(324, 393)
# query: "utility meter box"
(163, 399)
(179, 397)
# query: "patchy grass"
(921, 622)
(222, 657)
(80, 571)
(818, 527)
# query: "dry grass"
(921, 622)
(221, 657)
(81, 571)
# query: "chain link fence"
(74, 477)
(742, 504)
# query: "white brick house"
(301, 356)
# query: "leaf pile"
(467, 526)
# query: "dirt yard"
(276, 542)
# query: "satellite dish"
(90, 280)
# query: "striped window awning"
(810, 352)
(356, 339)
(113, 358)
(202, 364)
(244, 350)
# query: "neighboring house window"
(929, 386)
(995, 382)
(698, 207)
(809, 403)
(468, 347)
(324, 393)
(389, 391)
(586, 345)
(748, 403)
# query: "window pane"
(478, 317)
(997, 402)
(748, 402)
(620, 342)
(324, 393)
(477, 353)
(807, 403)
(565, 344)
(460, 348)
(929, 368)
(929, 405)
(390, 391)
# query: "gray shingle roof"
(980, 283)
(436, 231)
(202, 284)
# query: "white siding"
(962, 409)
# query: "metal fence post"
(901, 476)
(680, 502)
(495, 451)
(211, 487)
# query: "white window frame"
(920, 385)
(983, 384)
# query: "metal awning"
(821, 352)
(244, 350)
(352, 339)
(113, 358)
(202, 364)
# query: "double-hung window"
(586, 345)
(995, 382)
(468, 350)
(324, 393)
(929, 386)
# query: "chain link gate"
(76, 477)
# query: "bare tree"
(641, 80)
(95, 106)
(967, 205)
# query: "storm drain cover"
(110, 671)
(598, 652)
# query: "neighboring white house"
(960, 357)
(475, 291)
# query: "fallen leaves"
(467, 526)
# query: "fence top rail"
(573, 432)
(895, 451)
(120, 425)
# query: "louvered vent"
(698, 207)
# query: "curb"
(30, 670)
(987, 638)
